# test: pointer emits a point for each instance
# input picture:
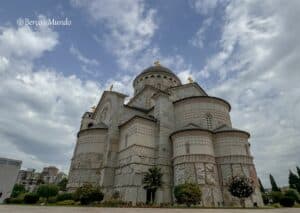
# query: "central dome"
(157, 76)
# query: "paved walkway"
(55, 209)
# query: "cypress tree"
(293, 180)
(298, 171)
(275, 188)
(261, 187)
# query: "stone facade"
(176, 127)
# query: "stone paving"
(56, 209)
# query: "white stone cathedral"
(177, 127)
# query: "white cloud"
(257, 69)
(80, 57)
(204, 7)
(199, 38)
(40, 108)
(131, 26)
(24, 43)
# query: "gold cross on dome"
(156, 63)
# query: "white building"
(8, 175)
(177, 127)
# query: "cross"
(190, 79)
(93, 108)
(156, 63)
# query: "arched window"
(90, 125)
(187, 148)
(209, 121)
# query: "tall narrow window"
(209, 121)
(187, 148)
(126, 140)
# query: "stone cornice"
(136, 117)
(204, 97)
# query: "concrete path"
(55, 209)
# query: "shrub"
(287, 201)
(276, 196)
(241, 187)
(52, 200)
(62, 185)
(17, 190)
(265, 198)
(31, 198)
(113, 203)
(116, 195)
(47, 190)
(65, 196)
(87, 194)
(293, 194)
(187, 193)
(16, 200)
(66, 202)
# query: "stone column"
(164, 112)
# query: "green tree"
(47, 190)
(294, 181)
(62, 185)
(17, 190)
(87, 194)
(188, 193)
(152, 181)
(275, 196)
(241, 187)
(275, 188)
(31, 198)
(261, 187)
(298, 171)
(293, 194)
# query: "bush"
(17, 200)
(275, 196)
(87, 194)
(293, 194)
(17, 190)
(66, 202)
(241, 187)
(113, 203)
(52, 200)
(188, 193)
(265, 198)
(31, 198)
(65, 196)
(47, 190)
(287, 201)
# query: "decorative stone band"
(210, 98)
(90, 130)
(194, 158)
(242, 159)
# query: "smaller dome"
(157, 76)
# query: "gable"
(186, 90)
(143, 99)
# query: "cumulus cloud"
(40, 108)
(24, 43)
(257, 69)
(204, 7)
(199, 38)
(131, 26)
(80, 57)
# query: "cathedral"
(176, 127)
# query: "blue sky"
(246, 52)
